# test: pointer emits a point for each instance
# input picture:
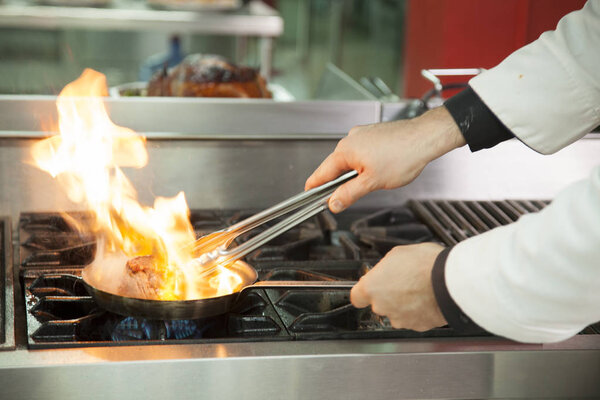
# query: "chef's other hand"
(399, 287)
(386, 155)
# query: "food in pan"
(208, 76)
(142, 280)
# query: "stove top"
(60, 313)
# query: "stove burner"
(387, 229)
(131, 328)
(60, 316)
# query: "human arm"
(386, 155)
(523, 97)
(548, 95)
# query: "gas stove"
(231, 155)
(60, 313)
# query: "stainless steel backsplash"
(258, 173)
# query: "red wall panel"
(472, 33)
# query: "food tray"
(75, 3)
(196, 5)
(133, 89)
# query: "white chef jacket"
(538, 280)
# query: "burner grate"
(74, 320)
(454, 220)
(60, 313)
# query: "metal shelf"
(255, 19)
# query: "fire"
(86, 158)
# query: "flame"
(86, 160)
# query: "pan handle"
(302, 285)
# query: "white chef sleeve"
(548, 92)
(537, 280)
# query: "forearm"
(438, 132)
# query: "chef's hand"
(386, 155)
(399, 287)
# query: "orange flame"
(86, 160)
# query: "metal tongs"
(213, 251)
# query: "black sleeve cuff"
(455, 317)
(478, 124)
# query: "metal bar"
(527, 205)
(255, 19)
(266, 57)
(513, 212)
(7, 296)
(471, 216)
(432, 222)
(494, 210)
(455, 230)
(541, 203)
(490, 220)
(457, 217)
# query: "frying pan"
(310, 202)
(198, 308)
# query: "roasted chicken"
(208, 76)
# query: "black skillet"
(199, 308)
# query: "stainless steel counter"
(255, 20)
(434, 369)
(249, 165)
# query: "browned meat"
(208, 76)
(143, 279)
(141, 263)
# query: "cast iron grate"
(455, 220)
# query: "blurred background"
(45, 44)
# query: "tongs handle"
(314, 201)
(293, 203)
(227, 235)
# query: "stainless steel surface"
(432, 74)
(440, 369)
(26, 116)
(301, 285)
(255, 19)
(213, 248)
(207, 170)
(8, 341)
(394, 111)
